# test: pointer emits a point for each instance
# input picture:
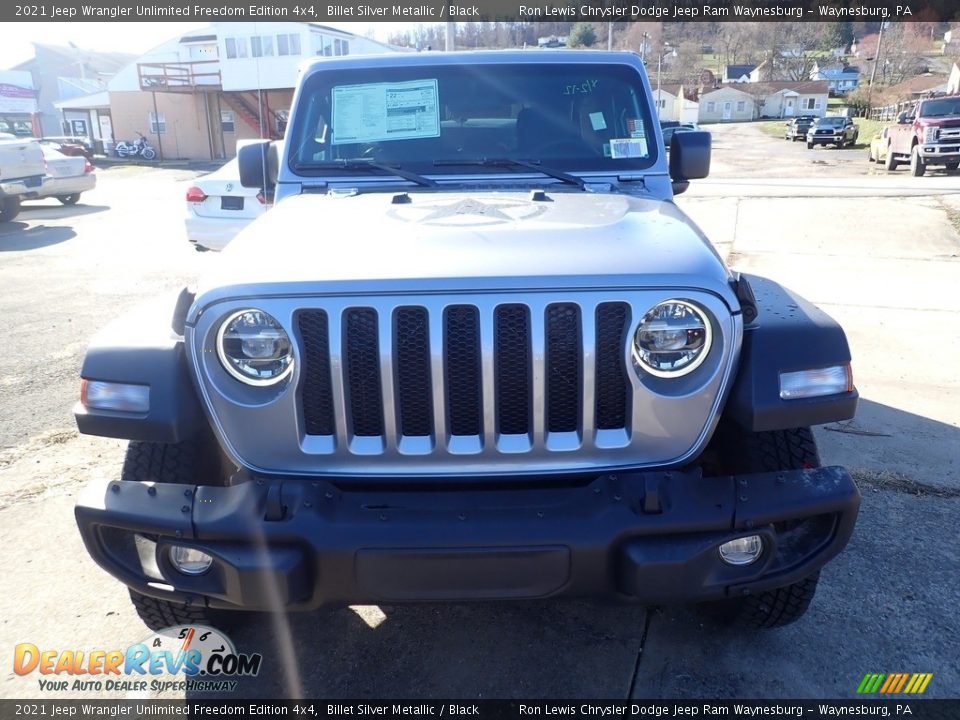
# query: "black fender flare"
(787, 334)
(145, 347)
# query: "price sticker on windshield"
(385, 111)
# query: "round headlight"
(254, 348)
(673, 339)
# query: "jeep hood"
(437, 241)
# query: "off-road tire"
(9, 208)
(891, 161)
(758, 452)
(841, 145)
(186, 462)
(71, 199)
(768, 609)
(917, 166)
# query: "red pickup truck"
(927, 135)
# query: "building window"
(741, 106)
(711, 106)
(288, 44)
(341, 47)
(236, 47)
(261, 46)
(811, 104)
(157, 122)
(227, 121)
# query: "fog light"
(190, 561)
(742, 551)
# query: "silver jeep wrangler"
(474, 352)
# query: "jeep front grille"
(519, 382)
(470, 404)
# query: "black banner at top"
(427, 11)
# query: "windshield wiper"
(368, 165)
(513, 162)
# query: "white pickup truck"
(21, 172)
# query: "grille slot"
(317, 390)
(512, 348)
(612, 386)
(411, 356)
(462, 369)
(564, 353)
(363, 372)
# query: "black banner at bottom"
(489, 709)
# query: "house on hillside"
(752, 101)
(737, 73)
(764, 72)
(197, 94)
(62, 72)
(841, 79)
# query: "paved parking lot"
(881, 255)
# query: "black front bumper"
(300, 544)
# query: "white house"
(753, 101)
(672, 104)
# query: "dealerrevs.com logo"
(183, 657)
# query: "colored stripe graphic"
(894, 683)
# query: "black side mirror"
(689, 158)
(259, 165)
(903, 118)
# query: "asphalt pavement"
(882, 255)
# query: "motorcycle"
(139, 147)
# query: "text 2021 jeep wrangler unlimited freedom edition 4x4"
(474, 352)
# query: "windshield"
(831, 121)
(430, 120)
(940, 108)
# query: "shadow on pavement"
(489, 650)
(59, 211)
(25, 237)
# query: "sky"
(132, 37)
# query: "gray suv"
(474, 352)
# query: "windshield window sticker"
(635, 128)
(587, 86)
(385, 111)
(597, 121)
(624, 148)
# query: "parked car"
(69, 146)
(797, 128)
(218, 207)
(927, 135)
(66, 177)
(834, 130)
(671, 130)
(21, 172)
(470, 358)
(877, 150)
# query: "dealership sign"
(16, 92)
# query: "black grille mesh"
(462, 369)
(411, 347)
(363, 372)
(612, 386)
(317, 393)
(564, 353)
(512, 328)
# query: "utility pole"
(873, 72)
(609, 36)
(450, 34)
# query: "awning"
(94, 101)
